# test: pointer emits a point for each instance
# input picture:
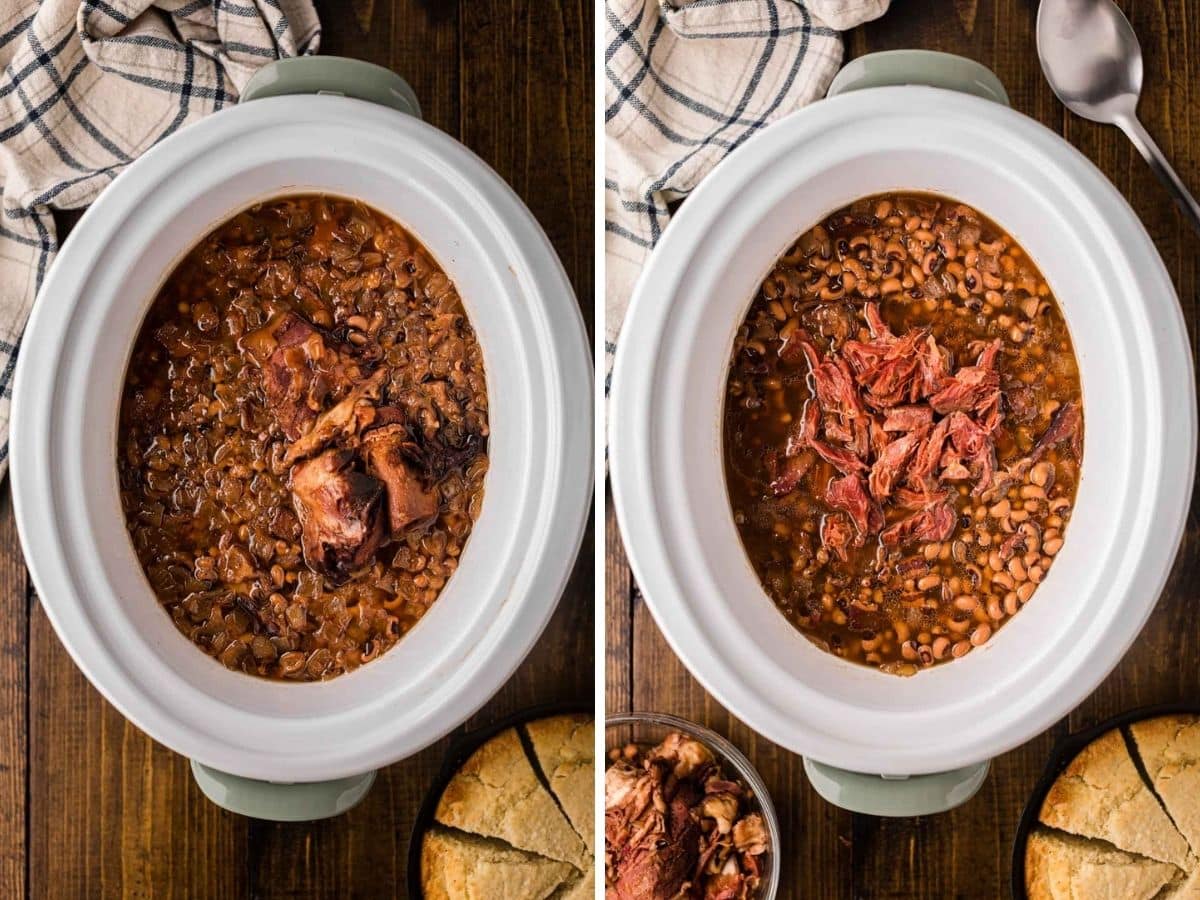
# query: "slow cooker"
(267, 748)
(907, 121)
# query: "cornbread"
(458, 866)
(582, 889)
(1064, 867)
(1123, 818)
(1170, 752)
(499, 828)
(1101, 795)
(497, 794)
(565, 750)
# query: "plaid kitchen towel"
(688, 82)
(88, 85)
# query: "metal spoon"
(1093, 61)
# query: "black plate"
(460, 750)
(1062, 754)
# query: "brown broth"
(209, 490)
(933, 268)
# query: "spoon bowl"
(1091, 57)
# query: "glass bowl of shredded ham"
(685, 814)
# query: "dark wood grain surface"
(91, 807)
(830, 853)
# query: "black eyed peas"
(809, 505)
(206, 482)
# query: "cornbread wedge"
(565, 750)
(462, 867)
(583, 889)
(1101, 795)
(1064, 867)
(1170, 750)
(497, 794)
(1185, 887)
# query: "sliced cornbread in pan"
(1101, 795)
(497, 794)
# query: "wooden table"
(91, 807)
(828, 852)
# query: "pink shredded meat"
(972, 388)
(934, 523)
(907, 418)
(836, 535)
(790, 473)
(847, 494)
(925, 464)
(836, 391)
(676, 829)
(934, 424)
(1063, 427)
(890, 465)
(840, 458)
(805, 429)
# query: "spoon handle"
(1158, 162)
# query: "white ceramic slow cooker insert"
(666, 432)
(536, 493)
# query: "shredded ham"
(933, 523)
(891, 462)
(1064, 426)
(847, 494)
(836, 535)
(676, 829)
(895, 420)
(908, 418)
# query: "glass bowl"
(652, 728)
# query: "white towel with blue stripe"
(88, 85)
(686, 83)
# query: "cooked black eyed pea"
(1017, 569)
(231, 656)
(1042, 474)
